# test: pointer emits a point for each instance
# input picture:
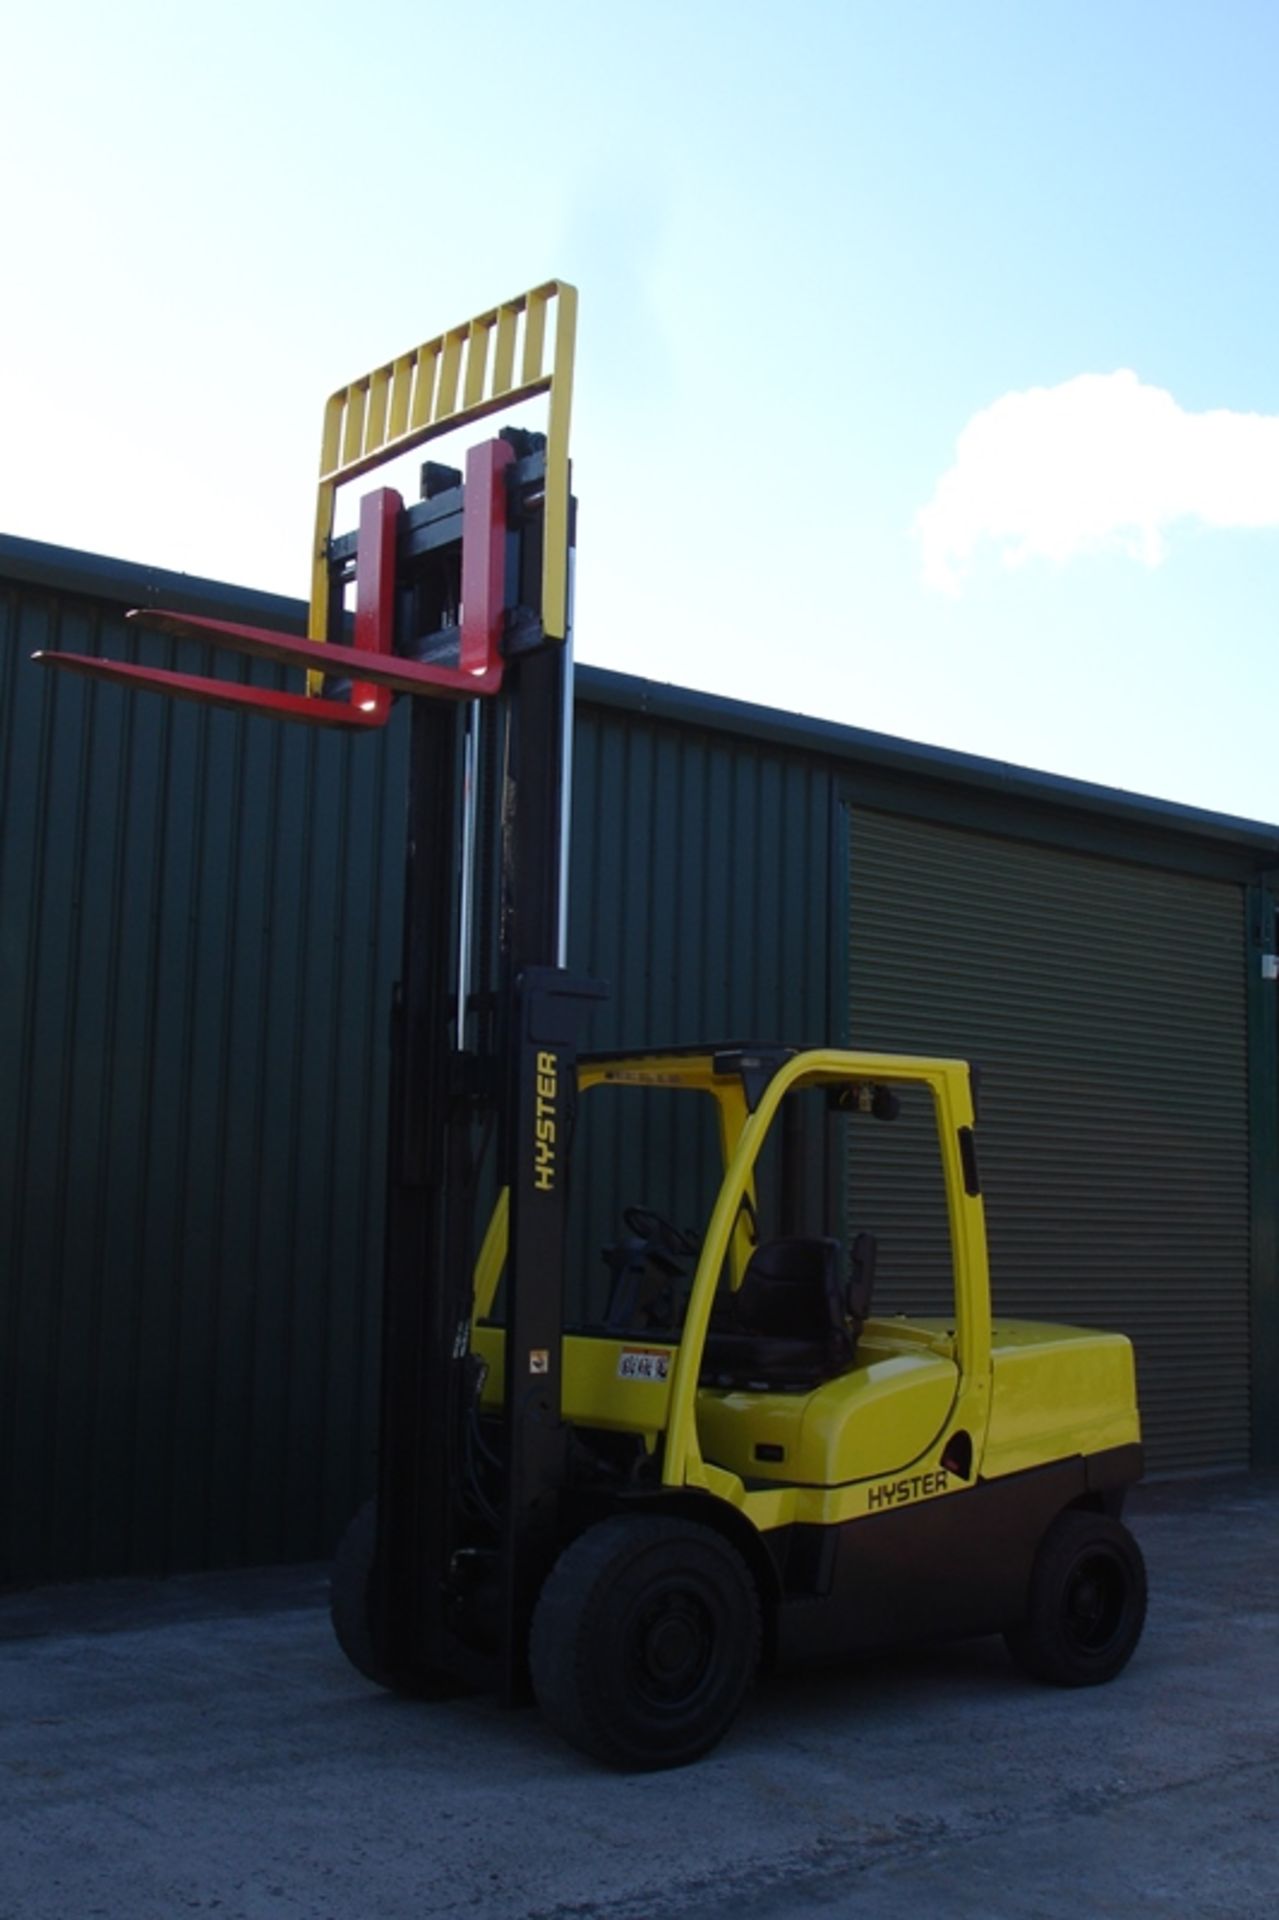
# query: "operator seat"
(792, 1323)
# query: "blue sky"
(926, 369)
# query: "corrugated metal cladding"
(1106, 1005)
(701, 883)
(199, 925)
(701, 889)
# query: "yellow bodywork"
(886, 1413)
(1058, 1391)
(873, 1438)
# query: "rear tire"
(1087, 1603)
(645, 1641)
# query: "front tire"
(1086, 1606)
(645, 1641)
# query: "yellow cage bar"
(503, 356)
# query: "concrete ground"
(199, 1746)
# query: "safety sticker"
(643, 1363)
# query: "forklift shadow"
(472, 1734)
(889, 1685)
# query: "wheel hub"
(673, 1647)
(1095, 1604)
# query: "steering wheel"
(650, 1273)
(659, 1233)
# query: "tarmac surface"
(199, 1746)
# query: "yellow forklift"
(624, 1458)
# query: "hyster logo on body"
(897, 1493)
(548, 1081)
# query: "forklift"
(626, 1459)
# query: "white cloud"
(1100, 462)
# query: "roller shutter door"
(1105, 1003)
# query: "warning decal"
(643, 1363)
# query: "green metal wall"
(701, 884)
(701, 880)
(198, 932)
(1106, 1003)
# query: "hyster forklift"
(625, 1482)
